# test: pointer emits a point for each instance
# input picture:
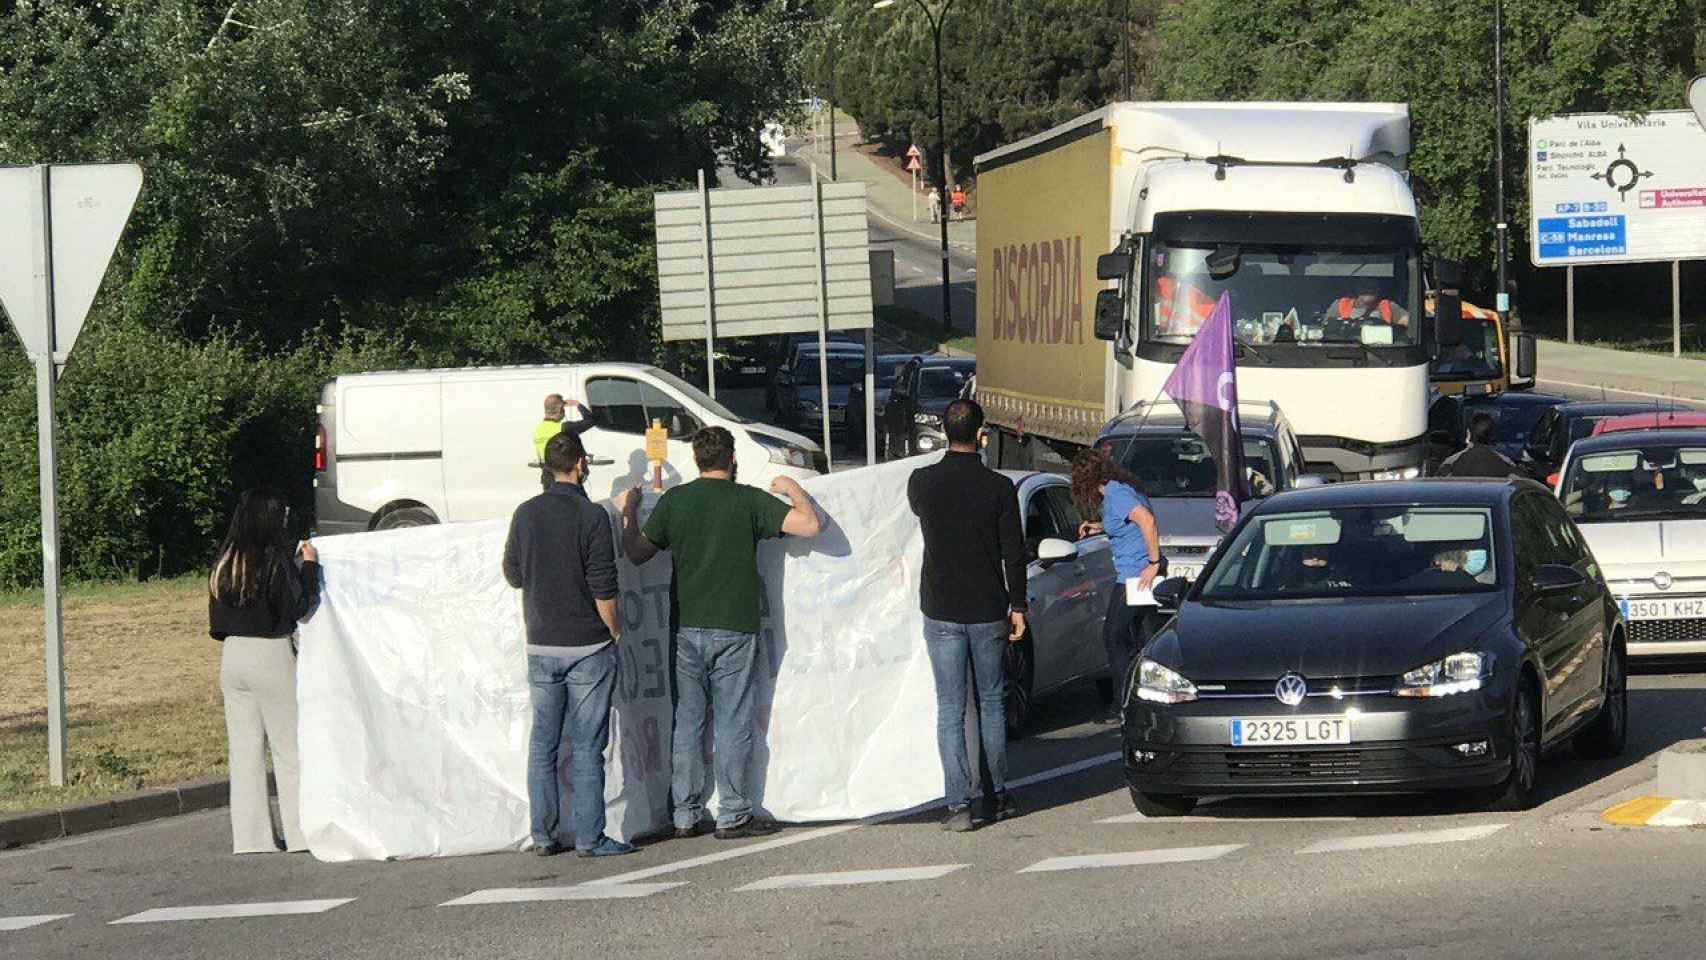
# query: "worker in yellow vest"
(555, 409)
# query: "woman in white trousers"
(256, 596)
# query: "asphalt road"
(1387, 877)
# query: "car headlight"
(1396, 473)
(927, 419)
(783, 452)
(1458, 673)
(1158, 684)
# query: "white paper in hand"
(1137, 595)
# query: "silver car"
(1178, 473)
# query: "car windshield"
(1286, 294)
(1357, 552)
(697, 395)
(1180, 464)
(940, 383)
(1649, 482)
(1474, 356)
(844, 370)
(1512, 421)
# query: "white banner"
(414, 711)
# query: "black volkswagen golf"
(1380, 638)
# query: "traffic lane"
(1582, 392)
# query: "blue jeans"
(953, 648)
(570, 702)
(715, 670)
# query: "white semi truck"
(1302, 212)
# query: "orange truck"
(1479, 360)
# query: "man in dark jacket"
(973, 599)
(1479, 459)
(561, 554)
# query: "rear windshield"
(1647, 482)
(1180, 464)
(843, 370)
(1357, 551)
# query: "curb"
(41, 826)
(1650, 811)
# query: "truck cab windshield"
(1286, 295)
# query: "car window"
(1041, 523)
(1065, 511)
(672, 412)
(940, 383)
(1541, 436)
(1537, 538)
(1358, 551)
(616, 404)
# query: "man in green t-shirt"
(711, 527)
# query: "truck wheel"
(406, 517)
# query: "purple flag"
(1205, 386)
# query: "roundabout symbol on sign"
(1622, 175)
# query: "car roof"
(1625, 439)
(1166, 417)
(1668, 420)
(950, 361)
(1520, 398)
(1606, 408)
(1385, 493)
(835, 346)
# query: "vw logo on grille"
(1291, 689)
(1662, 581)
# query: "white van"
(414, 447)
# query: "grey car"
(1178, 473)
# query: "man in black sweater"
(561, 554)
(973, 599)
(1479, 459)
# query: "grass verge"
(1626, 330)
(919, 332)
(142, 692)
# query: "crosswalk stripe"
(1135, 817)
(581, 891)
(794, 881)
(24, 923)
(1411, 839)
(1133, 859)
(227, 911)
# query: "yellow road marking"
(1636, 812)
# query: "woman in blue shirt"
(1104, 488)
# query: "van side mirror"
(1053, 550)
(1526, 357)
(1448, 273)
(1110, 315)
(1113, 266)
(1169, 592)
(1448, 320)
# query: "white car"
(413, 447)
(1640, 499)
(1067, 586)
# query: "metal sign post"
(74, 214)
(710, 292)
(823, 322)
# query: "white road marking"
(1135, 817)
(227, 911)
(1680, 813)
(796, 881)
(1133, 859)
(789, 840)
(583, 891)
(24, 923)
(1627, 393)
(1414, 838)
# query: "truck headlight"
(782, 452)
(1458, 673)
(927, 419)
(1159, 684)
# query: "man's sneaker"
(1006, 808)
(748, 827)
(606, 847)
(958, 820)
(548, 849)
(698, 829)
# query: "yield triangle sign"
(87, 208)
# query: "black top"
(974, 550)
(562, 556)
(289, 594)
(1478, 460)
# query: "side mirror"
(1113, 266)
(1110, 314)
(1448, 273)
(1557, 578)
(1169, 592)
(1448, 320)
(1053, 550)
(1526, 357)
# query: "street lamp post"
(935, 15)
(1502, 229)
